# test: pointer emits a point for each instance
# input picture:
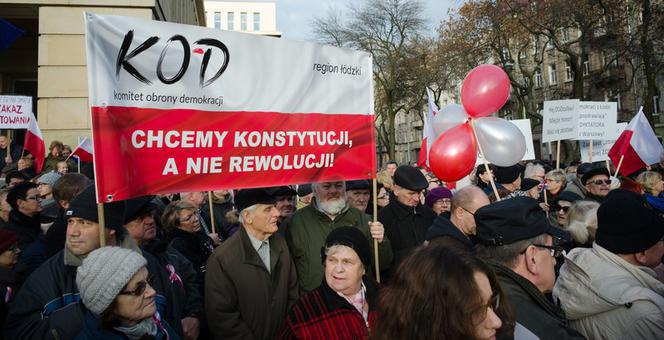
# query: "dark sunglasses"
(565, 209)
(140, 288)
(601, 181)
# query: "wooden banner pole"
(546, 201)
(486, 165)
(619, 165)
(590, 152)
(558, 155)
(211, 212)
(102, 224)
(375, 219)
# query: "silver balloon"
(502, 142)
(448, 117)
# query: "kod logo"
(125, 58)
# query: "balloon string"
(486, 165)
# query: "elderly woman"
(114, 287)
(440, 200)
(654, 186)
(442, 293)
(556, 181)
(343, 306)
(184, 232)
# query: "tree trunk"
(648, 58)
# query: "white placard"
(600, 147)
(15, 112)
(559, 120)
(526, 130)
(597, 120)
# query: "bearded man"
(307, 229)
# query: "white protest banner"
(597, 120)
(186, 108)
(15, 112)
(600, 147)
(525, 128)
(559, 120)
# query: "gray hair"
(557, 175)
(331, 250)
(247, 209)
(508, 254)
(582, 218)
(531, 169)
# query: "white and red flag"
(638, 145)
(84, 151)
(428, 134)
(34, 143)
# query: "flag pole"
(619, 164)
(608, 167)
(9, 145)
(486, 165)
(375, 219)
(546, 201)
(211, 211)
(558, 155)
(102, 224)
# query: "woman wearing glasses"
(114, 287)
(441, 293)
(184, 229)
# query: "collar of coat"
(250, 255)
(401, 210)
(527, 287)
(333, 301)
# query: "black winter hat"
(85, 206)
(512, 220)
(625, 225)
(350, 237)
(583, 168)
(137, 207)
(506, 174)
(410, 178)
(594, 172)
(248, 197)
(360, 184)
(567, 196)
(284, 190)
(529, 183)
(304, 189)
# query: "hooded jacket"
(605, 297)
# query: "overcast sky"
(294, 16)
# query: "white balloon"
(448, 117)
(502, 142)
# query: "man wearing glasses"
(517, 241)
(610, 291)
(598, 183)
(24, 219)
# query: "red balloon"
(453, 153)
(485, 90)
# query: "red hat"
(7, 239)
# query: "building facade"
(248, 17)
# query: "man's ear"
(641, 258)
(531, 260)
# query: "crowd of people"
(572, 253)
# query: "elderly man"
(357, 194)
(459, 230)
(598, 183)
(534, 171)
(517, 241)
(47, 306)
(307, 229)
(610, 291)
(406, 219)
(250, 282)
(574, 183)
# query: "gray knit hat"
(49, 178)
(103, 274)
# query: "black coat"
(405, 226)
(443, 231)
(196, 247)
(25, 227)
(10, 282)
(54, 241)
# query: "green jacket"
(306, 231)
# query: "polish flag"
(84, 151)
(34, 143)
(638, 144)
(428, 135)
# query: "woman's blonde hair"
(582, 221)
(649, 180)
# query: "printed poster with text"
(185, 108)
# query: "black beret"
(84, 206)
(528, 183)
(512, 220)
(410, 178)
(304, 189)
(583, 168)
(506, 174)
(284, 190)
(248, 197)
(567, 196)
(349, 237)
(360, 184)
(594, 172)
(137, 207)
(625, 225)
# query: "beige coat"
(605, 297)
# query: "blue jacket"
(656, 202)
(91, 331)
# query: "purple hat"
(436, 194)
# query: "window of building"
(586, 65)
(538, 78)
(257, 21)
(217, 20)
(230, 24)
(656, 107)
(568, 71)
(536, 47)
(553, 77)
(243, 21)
